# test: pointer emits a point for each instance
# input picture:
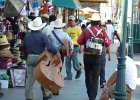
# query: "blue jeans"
(102, 71)
(92, 71)
(31, 63)
(74, 59)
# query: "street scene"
(69, 50)
(74, 89)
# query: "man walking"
(93, 40)
(110, 30)
(34, 44)
(74, 32)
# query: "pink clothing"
(85, 35)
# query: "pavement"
(74, 89)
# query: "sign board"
(13, 7)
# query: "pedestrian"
(35, 43)
(59, 33)
(110, 30)
(45, 18)
(48, 28)
(44, 7)
(32, 16)
(93, 38)
(57, 36)
(83, 26)
(103, 61)
(130, 79)
(74, 32)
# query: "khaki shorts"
(112, 89)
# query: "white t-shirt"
(131, 73)
(109, 30)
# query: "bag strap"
(44, 26)
(98, 32)
(57, 37)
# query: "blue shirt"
(36, 42)
(61, 35)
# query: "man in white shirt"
(48, 30)
(110, 30)
(58, 31)
(130, 78)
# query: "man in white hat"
(92, 53)
(58, 25)
(35, 43)
(58, 33)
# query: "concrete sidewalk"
(74, 89)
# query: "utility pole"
(130, 41)
(120, 90)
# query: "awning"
(95, 1)
(73, 4)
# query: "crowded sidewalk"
(74, 89)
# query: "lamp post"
(130, 41)
(120, 90)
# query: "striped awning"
(73, 4)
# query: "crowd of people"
(45, 32)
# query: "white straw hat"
(36, 24)
(58, 23)
(3, 40)
(95, 17)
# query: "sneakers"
(78, 74)
(102, 85)
(56, 93)
(67, 78)
(48, 97)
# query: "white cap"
(71, 17)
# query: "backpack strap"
(57, 37)
(98, 32)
